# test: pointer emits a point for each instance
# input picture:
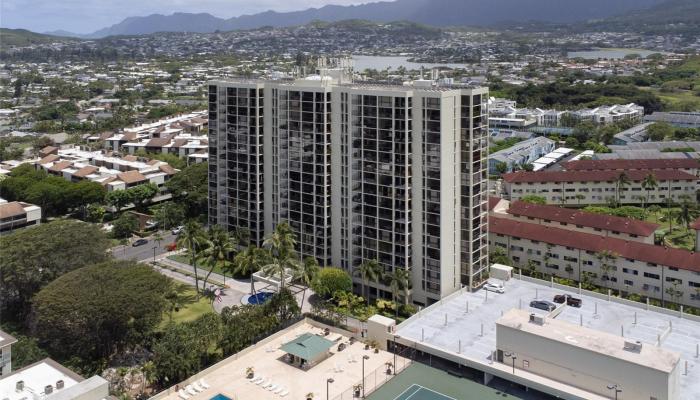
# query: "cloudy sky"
(85, 16)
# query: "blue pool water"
(258, 298)
(220, 397)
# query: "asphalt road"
(143, 252)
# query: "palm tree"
(281, 246)
(607, 264)
(306, 274)
(369, 271)
(176, 297)
(622, 181)
(148, 370)
(687, 214)
(648, 184)
(670, 214)
(249, 260)
(220, 246)
(193, 239)
(399, 281)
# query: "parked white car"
(494, 287)
(177, 230)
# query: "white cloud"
(84, 16)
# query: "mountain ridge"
(429, 12)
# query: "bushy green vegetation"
(503, 144)
(95, 311)
(55, 195)
(189, 188)
(33, 257)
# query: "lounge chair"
(258, 380)
(181, 394)
(265, 382)
(191, 390)
(198, 387)
(278, 390)
(272, 387)
(203, 384)
(284, 393)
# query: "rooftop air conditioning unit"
(537, 319)
(19, 386)
(635, 346)
(48, 389)
(60, 384)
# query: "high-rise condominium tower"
(396, 174)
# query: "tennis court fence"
(374, 379)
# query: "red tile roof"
(11, 209)
(650, 253)
(60, 166)
(85, 171)
(493, 202)
(587, 219)
(594, 176)
(600, 165)
(132, 176)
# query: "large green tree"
(330, 280)
(95, 311)
(31, 258)
(189, 188)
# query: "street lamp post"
(154, 254)
(514, 357)
(616, 388)
(365, 357)
(328, 383)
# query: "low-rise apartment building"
(181, 145)
(15, 215)
(688, 165)
(6, 342)
(108, 169)
(525, 152)
(580, 221)
(676, 118)
(656, 272)
(600, 187)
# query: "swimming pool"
(220, 397)
(258, 298)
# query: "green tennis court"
(422, 382)
(418, 392)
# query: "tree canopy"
(93, 311)
(189, 188)
(33, 257)
(330, 280)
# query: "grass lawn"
(201, 263)
(680, 237)
(673, 100)
(191, 311)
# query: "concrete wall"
(583, 368)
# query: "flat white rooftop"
(36, 377)
(429, 327)
(591, 339)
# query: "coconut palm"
(148, 370)
(369, 271)
(281, 246)
(622, 181)
(306, 274)
(220, 246)
(648, 184)
(248, 261)
(399, 281)
(687, 213)
(194, 240)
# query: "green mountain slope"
(23, 37)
